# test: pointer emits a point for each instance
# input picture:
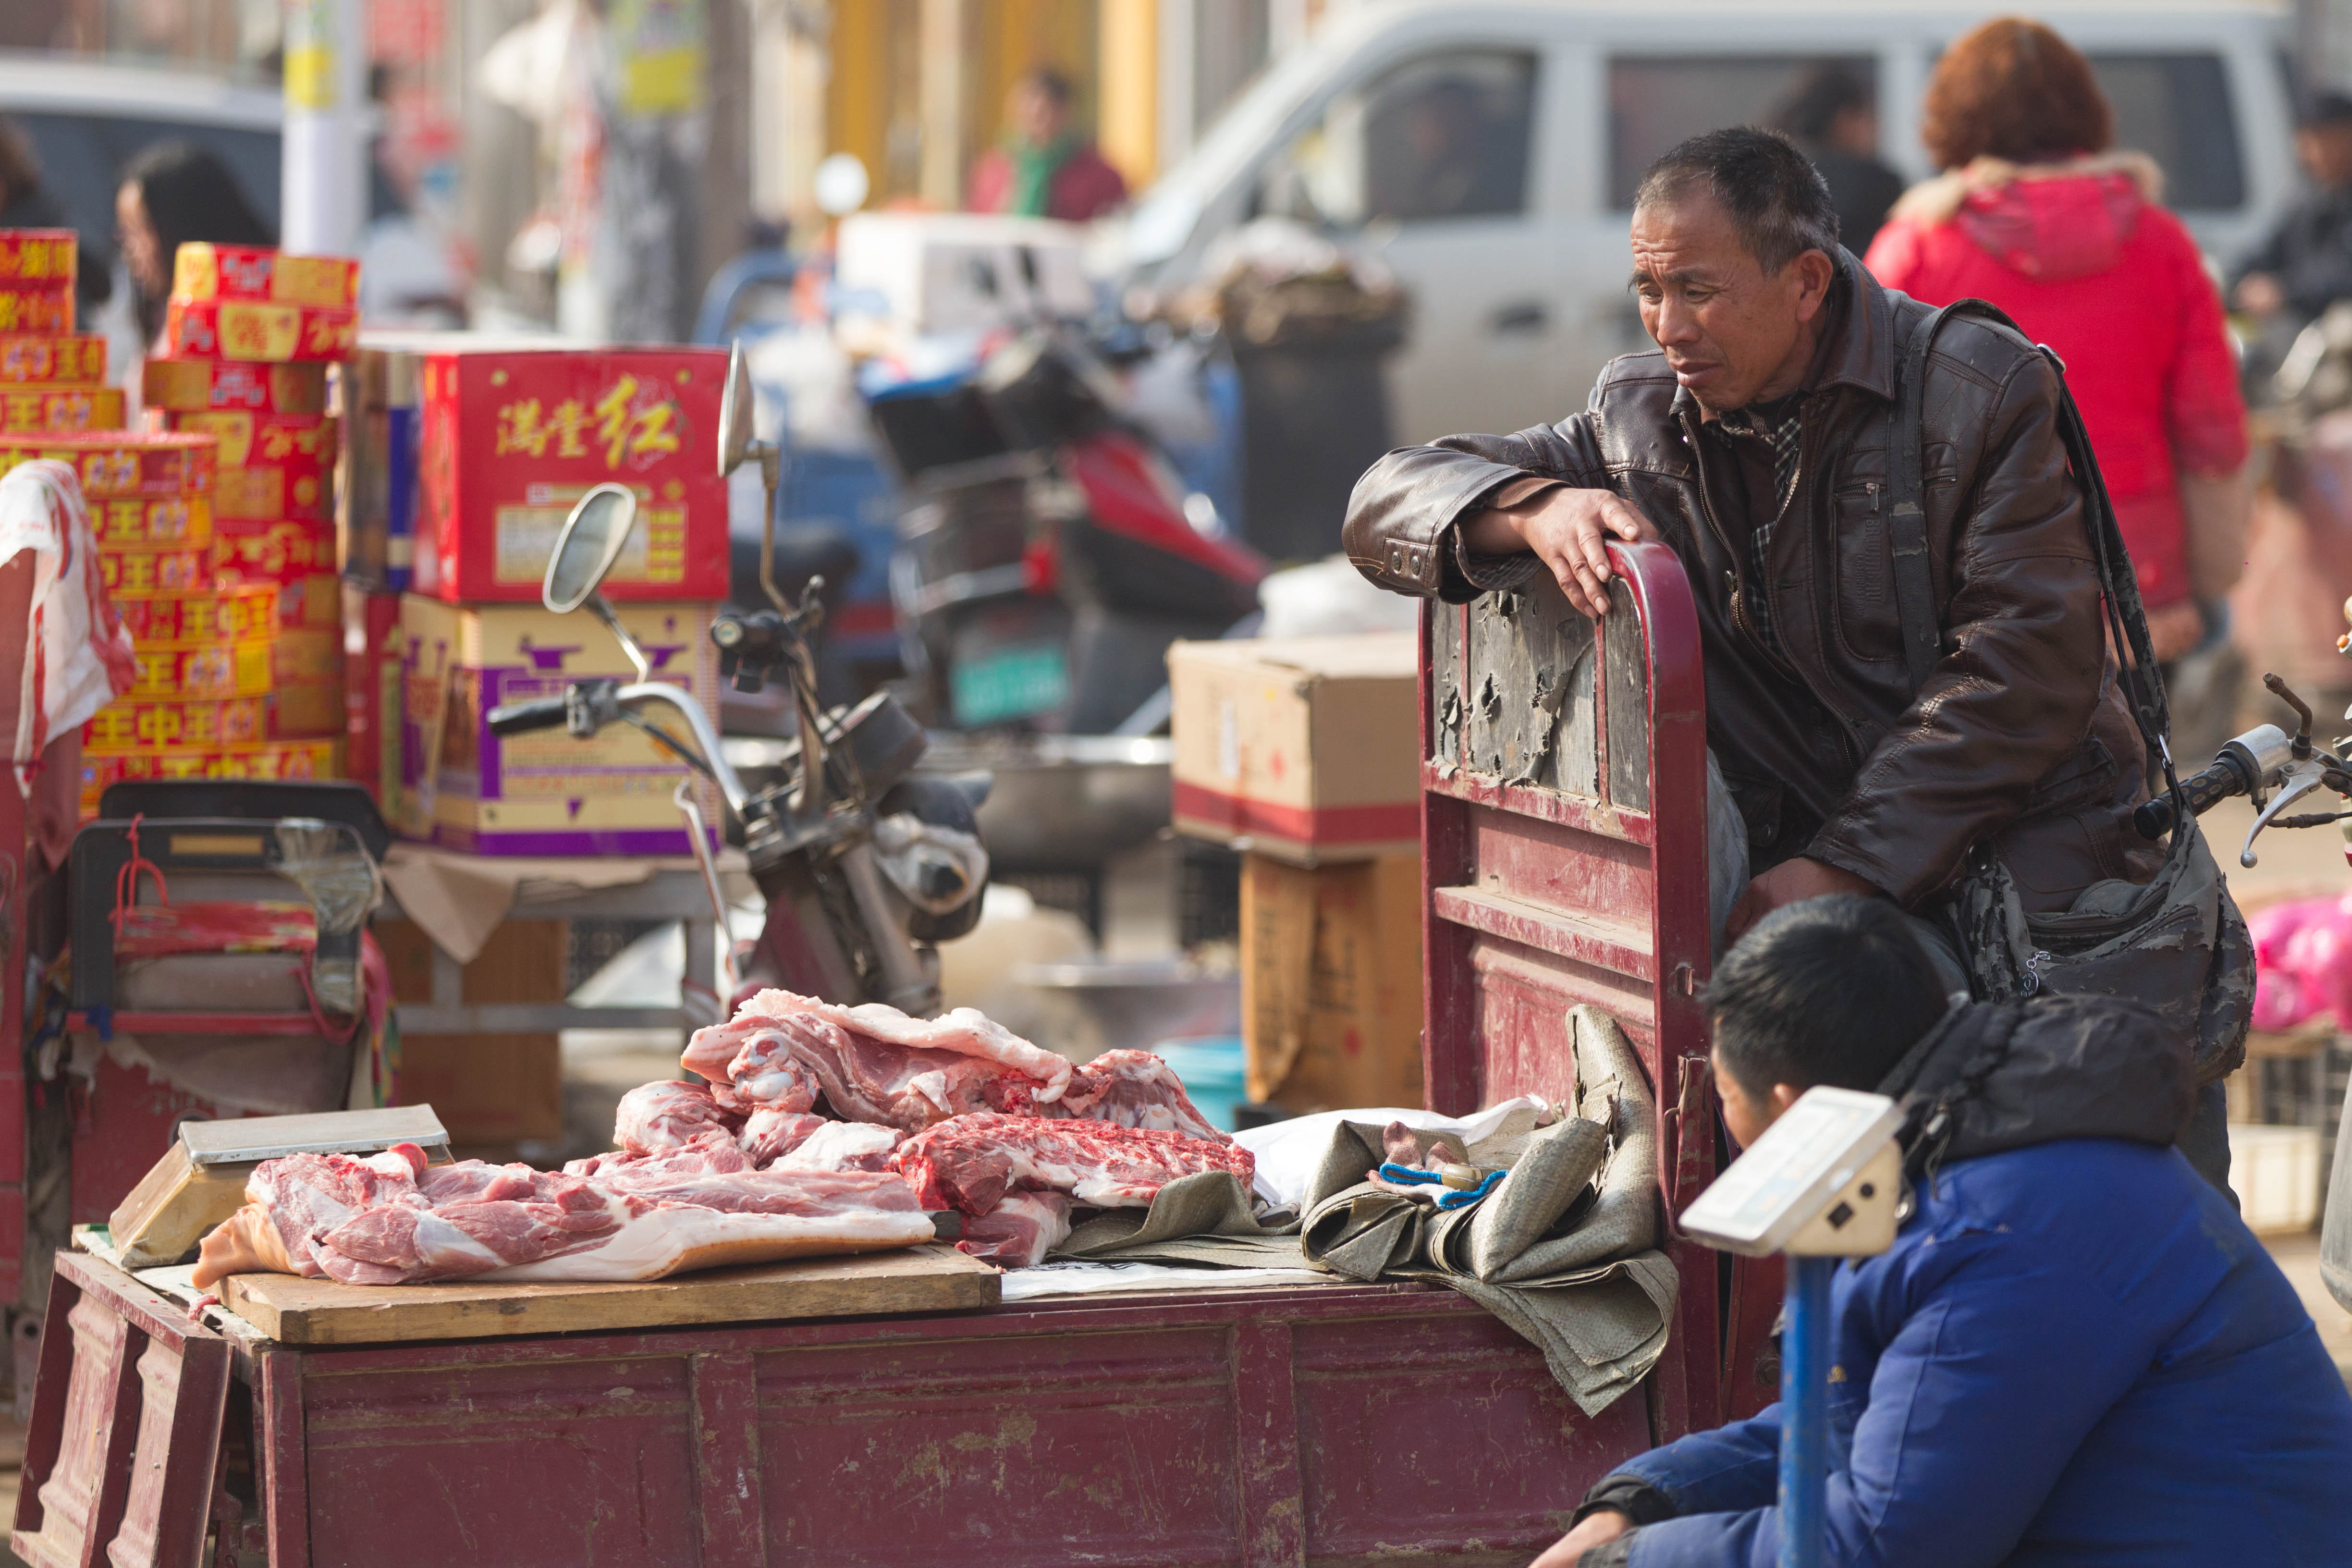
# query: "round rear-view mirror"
(590, 542)
(735, 437)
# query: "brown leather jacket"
(2021, 736)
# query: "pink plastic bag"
(2303, 962)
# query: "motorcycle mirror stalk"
(738, 445)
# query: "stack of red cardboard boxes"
(509, 439)
(50, 375)
(200, 707)
(249, 335)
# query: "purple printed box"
(544, 793)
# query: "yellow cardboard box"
(544, 793)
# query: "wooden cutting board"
(297, 1312)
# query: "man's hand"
(1569, 531)
(1605, 1525)
(1789, 882)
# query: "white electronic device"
(1823, 1181)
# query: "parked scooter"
(2277, 770)
(865, 866)
(1048, 554)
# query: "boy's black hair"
(1831, 990)
(1776, 199)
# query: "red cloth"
(1084, 187)
(2084, 263)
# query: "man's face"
(1854, 129)
(1730, 332)
(2326, 154)
(1035, 116)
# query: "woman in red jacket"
(2036, 214)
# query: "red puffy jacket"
(2083, 259)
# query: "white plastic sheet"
(1287, 1152)
(77, 656)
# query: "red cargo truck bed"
(1329, 1424)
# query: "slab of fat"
(660, 1242)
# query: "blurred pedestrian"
(2305, 266)
(1044, 167)
(2036, 213)
(27, 203)
(1833, 116)
(171, 193)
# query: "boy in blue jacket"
(2075, 1353)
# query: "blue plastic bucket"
(1211, 1067)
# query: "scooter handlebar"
(518, 718)
(2199, 792)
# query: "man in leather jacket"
(1756, 442)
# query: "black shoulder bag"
(2177, 943)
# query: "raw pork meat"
(970, 1162)
(763, 1071)
(866, 1080)
(1020, 1230)
(306, 1195)
(845, 1146)
(769, 1134)
(875, 1063)
(387, 1220)
(1135, 1089)
(712, 1153)
(965, 1032)
(665, 1114)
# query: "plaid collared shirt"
(1779, 426)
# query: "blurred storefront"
(916, 89)
(590, 163)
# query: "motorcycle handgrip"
(515, 718)
(2201, 790)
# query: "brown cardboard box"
(1302, 748)
(1331, 983)
(487, 1088)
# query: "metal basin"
(1062, 803)
(1094, 1006)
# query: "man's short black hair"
(1052, 84)
(1833, 991)
(1776, 199)
(1827, 91)
(2322, 109)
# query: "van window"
(82, 155)
(2177, 109)
(1441, 137)
(1658, 101)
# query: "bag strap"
(1906, 514)
(1915, 598)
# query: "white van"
(1517, 258)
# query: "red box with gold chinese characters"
(296, 451)
(36, 307)
(203, 271)
(53, 359)
(293, 555)
(125, 465)
(38, 258)
(37, 408)
(260, 331)
(205, 385)
(509, 439)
